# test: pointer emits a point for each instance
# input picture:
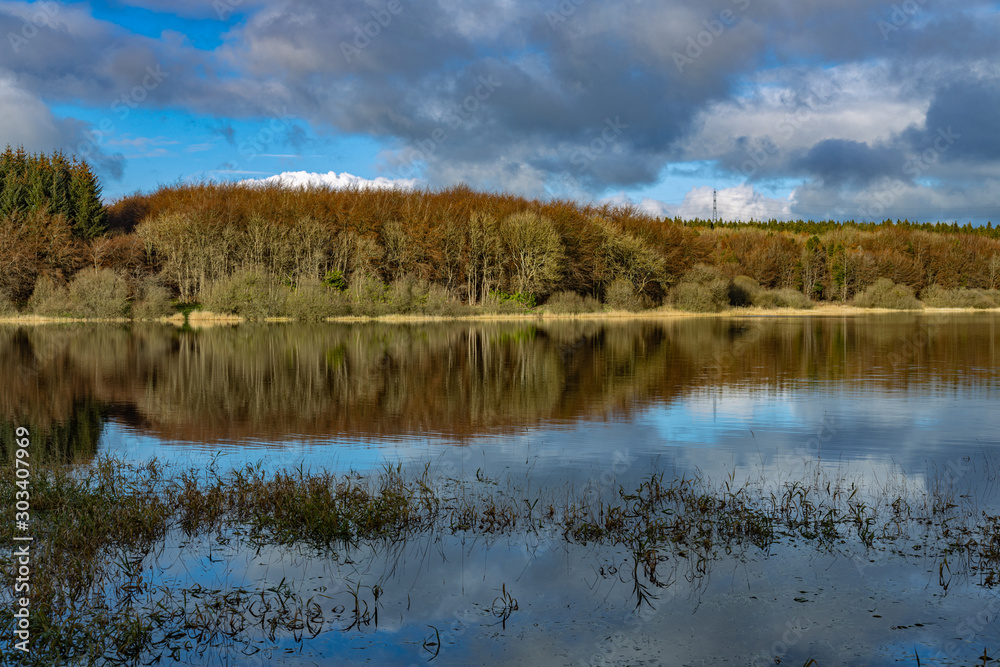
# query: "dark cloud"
(838, 162)
(962, 122)
(603, 95)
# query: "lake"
(897, 406)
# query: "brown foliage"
(462, 240)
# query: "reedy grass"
(99, 530)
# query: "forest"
(269, 251)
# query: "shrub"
(98, 293)
(621, 295)
(440, 302)
(782, 298)
(498, 302)
(93, 293)
(885, 294)
(250, 293)
(703, 289)
(313, 301)
(152, 301)
(335, 280)
(406, 294)
(48, 299)
(368, 295)
(743, 291)
(696, 298)
(569, 303)
(939, 297)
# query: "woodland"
(312, 253)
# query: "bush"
(152, 301)
(7, 307)
(571, 303)
(335, 280)
(313, 301)
(369, 295)
(939, 297)
(98, 293)
(696, 298)
(782, 298)
(885, 294)
(250, 293)
(407, 295)
(703, 289)
(440, 302)
(502, 302)
(743, 291)
(48, 299)
(621, 295)
(93, 293)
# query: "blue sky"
(847, 109)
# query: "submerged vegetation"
(106, 535)
(270, 251)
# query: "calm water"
(879, 400)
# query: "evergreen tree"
(37, 179)
(6, 165)
(89, 216)
(60, 202)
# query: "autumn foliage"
(317, 252)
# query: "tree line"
(231, 245)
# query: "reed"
(100, 529)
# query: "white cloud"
(27, 120)
(794, 110)
(305, 179)
(741, 203)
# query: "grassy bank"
(102, 532)
(206, 318)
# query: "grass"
(99, 529)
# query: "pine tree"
(37, 177)
(89, 216)
(13, 198)
(60, 202)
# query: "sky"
(786, 109)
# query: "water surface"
(906, 402)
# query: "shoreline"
(208, 318)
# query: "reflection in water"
(461, 380)
(890, 397)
